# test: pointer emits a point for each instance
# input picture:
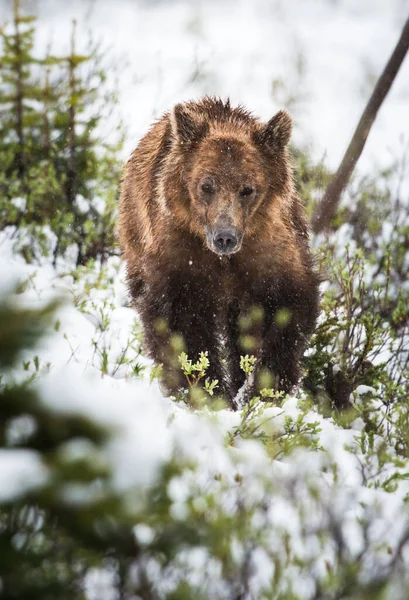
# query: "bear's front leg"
(244, 336)
(275, 329)
(288, 328)
(178, 315)
(279, 363)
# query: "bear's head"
(232, 168)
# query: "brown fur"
(166, 227)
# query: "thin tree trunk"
(47, 134)
(20, 158)
(72, 150)
(327, 207)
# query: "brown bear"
(216, 243)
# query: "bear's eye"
(207, 188)
(246, 191)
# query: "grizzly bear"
(216, 243)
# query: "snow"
(143, 533)
(20, 472)
(100, 583)
(297, 497)
(172, 51)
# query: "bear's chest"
(188, 264)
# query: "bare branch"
(326, 209)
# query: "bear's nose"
(225, 241)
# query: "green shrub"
(53, 155)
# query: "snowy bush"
(110, 490)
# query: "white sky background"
(177, 50)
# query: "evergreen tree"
(19, 133)
(52, 155)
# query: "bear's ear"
(186, 127)
(276, 134)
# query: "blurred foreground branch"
(326, 209)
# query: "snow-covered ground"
(86, 366)
(326, 52)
